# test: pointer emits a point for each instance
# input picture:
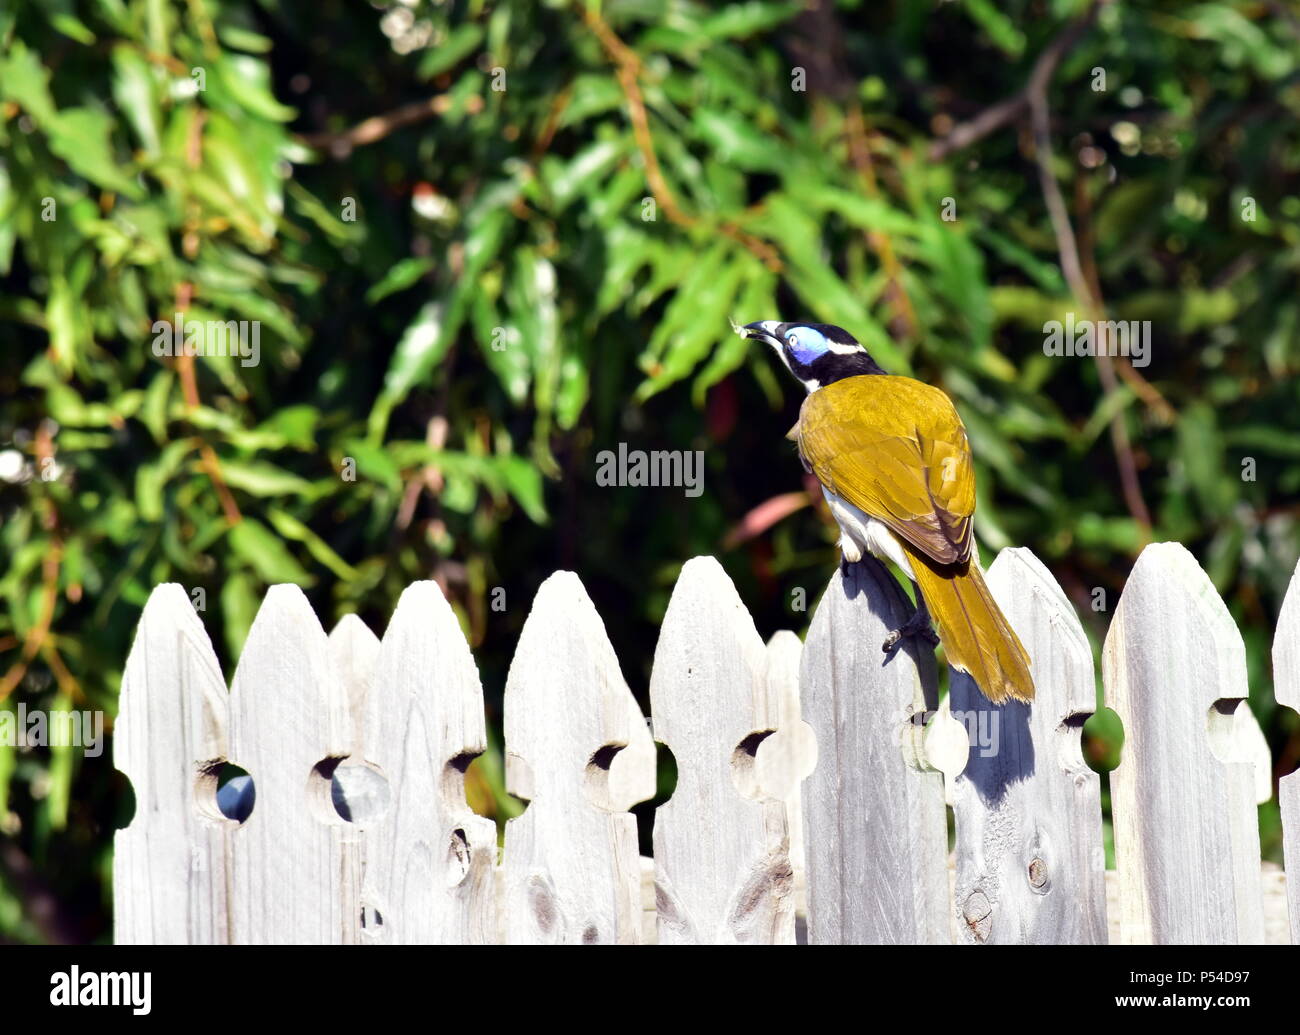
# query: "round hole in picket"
(359, 791)
(226, 790)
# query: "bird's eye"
(792, 340)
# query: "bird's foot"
(917, 625)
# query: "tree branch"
(1016, 106)
(375, 128)
(36, 636)
(627, 66)
(1068, 249)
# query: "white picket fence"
(811, 778)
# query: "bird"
(894, 463)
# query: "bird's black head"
(818, 354)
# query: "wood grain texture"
(1186, 827)
(722, 866)
(289, 725)
(354, 650)
(428, 858)
(874, 822)
(1253, 746)
(1286, 687)
(170, 863)
(1030, 862)
(579, 750)
(787, 757)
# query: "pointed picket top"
(1286, 687)
(355, 651)
(1186, 826)
(577, 748)
(875, 830)
(360, 792)
(169, 876)
(355, 790)
(788, 755)
(722, 868)
(428, 857)
(289, 723)
(1030, 862)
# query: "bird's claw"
(917, 625)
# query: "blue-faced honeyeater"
(894, 464)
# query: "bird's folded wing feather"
(896, 449)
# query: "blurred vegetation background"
(485, 241)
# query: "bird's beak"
(764, 330)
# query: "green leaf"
(326, 220)
(374, 463)
(626, 254)
(574, 390)
(502, 348)
(1200, 449)
(739, 143)
(958, 270)
(710, 324)
(757, 297)
(870, 214)
(24, 80)
(1109, 405)
(81, 137)
(1239, 40)
(72, 27)
(1001, 29)
(697, 274)
(460, 43)
(1046, 274)
(238, 609)
(738, 21)
(524, 481)
(264, 479)
(422, 345)
(427, 339)
(248, 80)
(263, 551)
(244, 39)
(8, 757)
(291, 528)
(135, 91)
(592, 95)
(151, 478)
(568, 180)
(59, 787)
(1265, 439)
(1128, 208)
(238, 157)
(293, 426)
(399, 277)
(534, 314)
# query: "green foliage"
(461, 303)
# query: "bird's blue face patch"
(806, 343)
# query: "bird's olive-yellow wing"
(896, 449)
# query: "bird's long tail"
(975, 634)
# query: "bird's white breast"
(861, 532)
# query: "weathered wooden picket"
(820, 770)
